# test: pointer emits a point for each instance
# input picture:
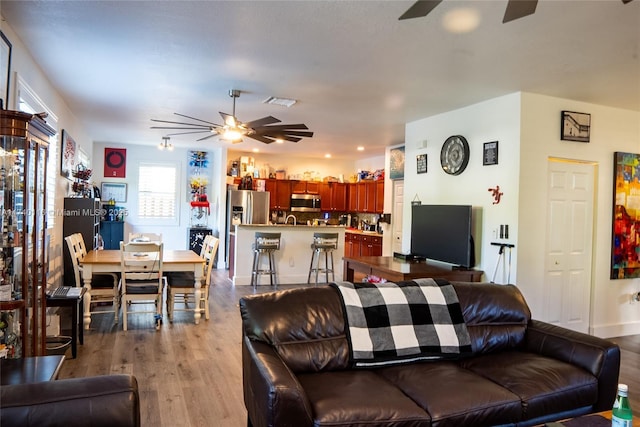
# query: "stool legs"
(257, 271)
(328, 265)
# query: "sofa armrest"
(596, 355)
(109, 400)
(272, 394)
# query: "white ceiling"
(358, 72)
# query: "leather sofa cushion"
(359, 398)
(543, 384)
(496, 315)
(455, 396)
(306, 327)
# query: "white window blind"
(29, 102)
(157, 191)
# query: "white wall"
(494, 120)
(174, 235)
(611, 130)
(527, 127)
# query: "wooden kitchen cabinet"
(366, 196)
(371, 246)
(379, 204)
(333, 196)
(279, 193)
(352, 197)
(305, 187)
(356, 245)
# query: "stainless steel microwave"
(305, 203)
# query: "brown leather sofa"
(523, 372)
(102, 401)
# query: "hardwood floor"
(191, 375)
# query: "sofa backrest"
(496, 315)
(306, 325)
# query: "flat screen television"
(443, 233)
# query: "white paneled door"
(569, 243)
(398, 204)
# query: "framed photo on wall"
(396, 163)
(68, 155)
(5, 70)
(575, 126)
(625, 244)
(490, 153)
(115, 162)
(421, 163)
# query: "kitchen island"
(293, 258)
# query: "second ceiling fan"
(233, 130)
(515, 9)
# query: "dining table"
(109, 261)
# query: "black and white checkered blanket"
(391, 323)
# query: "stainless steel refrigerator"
(245, 207)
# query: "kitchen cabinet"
(379, 205)
(23, 236)
(352, 197)
(366, 196)
(112, 233)
(305, 187)
(279, 193)
(356, 245)
(333, 196)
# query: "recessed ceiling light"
(327, 156)
(279, 141)
(360, 148)
(256, 150)
(283, 102)
(461, 20)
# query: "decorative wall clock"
(454, 156)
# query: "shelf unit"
(81, 215)
(23, 203)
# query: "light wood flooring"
(191, 375)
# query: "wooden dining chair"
(142, 280)
(104, 286)
(181, 285)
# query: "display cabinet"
(23, 204)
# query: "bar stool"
(265, 244)
(323, 243)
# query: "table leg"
(86, 302)
(74, 328)
(348, 272)
(197, 295)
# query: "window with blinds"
(157, 198)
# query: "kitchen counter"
(367, 233)
(294, 256)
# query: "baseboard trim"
(616, 330)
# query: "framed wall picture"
(5, 70)
(113, 190)
(490, 153)
(115, 162)
(421, 163)
(625, 244)
(396, 163)
(68, 155)
(575, 126)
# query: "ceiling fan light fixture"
(165, 144)
(232, 134)
(283, 102)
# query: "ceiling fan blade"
(199, 120)
(518, 9)
(420, 8)
(626, 1)
(291, 133)
(180, 123)
(280, 127)
(186, 133)
(261, 138)
(207, 137)
(261, 122)
(201, 129)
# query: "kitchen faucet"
(295, 220)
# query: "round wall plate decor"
(454, 155)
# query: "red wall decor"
(115, 162)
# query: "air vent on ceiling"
(283, 102)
